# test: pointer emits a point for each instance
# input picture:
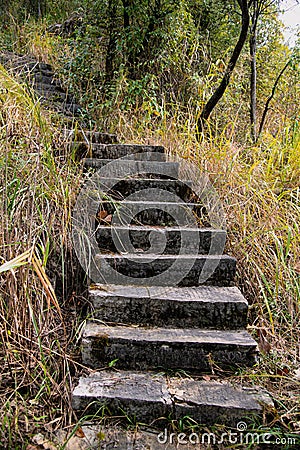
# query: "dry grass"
(37, 190)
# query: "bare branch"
(266, 109)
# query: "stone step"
(45, 79)
(90, 136)
(68, 110)
(191, 349)
(148, 396)
(119, 189)
(130, 166)
(48, 87)
(166, 240)
(200, 307)
(114, 151)
(163, 270)
(158, 213)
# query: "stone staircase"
(166, 322)
(42, 78)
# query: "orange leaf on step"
(79, 433)
(102, 214)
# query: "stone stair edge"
(153, 334)
(165, 227)
(150, 256)
(205, 400)
(147, 348)
(178, 307)
(99, 145)
(191, 294)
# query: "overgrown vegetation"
(143, 70)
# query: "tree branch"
(266, 109)
(217, 95)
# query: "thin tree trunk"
(217, 95)
(111, 47)
(266, 109)
(127, 4)
(126, 16)
(253, 76)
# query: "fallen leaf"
(282, 372)
(79, 433)
(102, 214)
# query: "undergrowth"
(37, 307)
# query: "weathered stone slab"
(157, 213)
(163, 270)
(125, 167)
(48, 87)
(167, 348)
(167, 240)
(81, 135)
(147, 397)
(216, 402)
(90, 136)
(53, 95)
(113, 151)
(202, 307)
(119, 189)
(142, 395)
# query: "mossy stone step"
(146, 269)
(113, 151)
(161, 212)
(193, 307)
(120, 189)
(144, 348)
(165, 240)
(148, 396)
(88, 136)
(130, 166)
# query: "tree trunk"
(217, 95)
(127, 11)
(253, 76)
(111, 46)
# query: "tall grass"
(37, 189)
